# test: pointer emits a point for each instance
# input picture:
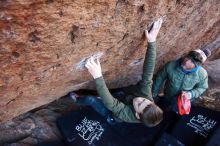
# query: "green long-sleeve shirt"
(124, 110)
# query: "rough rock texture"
(37, 126)
(44, 43)
(213, 69)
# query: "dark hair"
(207, 52)
(152, 115)
(192, 58)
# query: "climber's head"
(195, 58)
(147, 111)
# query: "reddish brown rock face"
(44, 43)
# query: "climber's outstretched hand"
(154, 30)
(94, 67)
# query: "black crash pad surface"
(168, 140)
(85, 127)
(88, 128)
(196, 128)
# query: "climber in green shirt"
(138, 105)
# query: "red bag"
(183, 105)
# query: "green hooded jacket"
(176, 81)
(124, 111)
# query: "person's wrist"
(97, 76)
(151, 40)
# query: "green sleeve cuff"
(99, 81)
(151, 45)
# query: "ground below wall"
(39, 125)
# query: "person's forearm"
(200, 88)
(144, 86)
(159, 80)
(157, 85)
(149, 64)
(104, 93)
(197, 92)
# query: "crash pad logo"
(202, 125)
(89, 130)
